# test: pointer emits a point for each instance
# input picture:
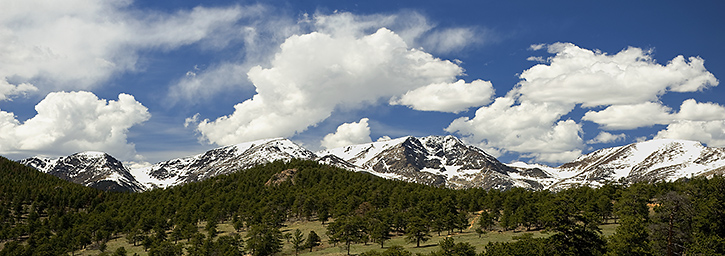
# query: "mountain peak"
(91, 154)
(90, 168)
(646, 161)
(433, 160)
(220, 161)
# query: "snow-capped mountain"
(649, 161)
(219, 161)
(435, 160)
(94, 169)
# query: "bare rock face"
(435, 160)
(281, 177)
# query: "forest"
(43, 215)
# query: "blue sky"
(535, 81)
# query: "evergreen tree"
(576, 233)
(211, 227)
(450, 248)
(416, 231)
(670, 231)
(379, 232)
(264, 240)
(313, 240)
(165, 248)
(631, 236)
(486, 221)
(121, 251)
(348, 230)
(298, 241)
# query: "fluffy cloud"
(711, 133)
(448, 97)
(315, 73)
(592, 78)
(413, 27)
(78, 44)
(262, 38)
(8, 90)
(692, 110)
(627, 117)
(605, 137)
(348, 134)
(68, 122)
(532, 119)
(704, 122)
(528, 127)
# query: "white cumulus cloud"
(533, 120)
(78, 44)
(348, 134)
(315, 73)
(69, 122)
(711, 133)
(8, 90)
(695, 111)
(592, 78)
(704, 122)
(605, 137)
(531, 128)
(448, 97)
(262, 37)
(627, 117)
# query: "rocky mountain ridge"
(93, 169)
(435, 160)
(648, 161)
(432, 160)
(219, 161)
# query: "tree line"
(43, 215)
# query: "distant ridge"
(648, 161)
(432, 160)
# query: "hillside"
(189, 218)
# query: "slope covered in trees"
(43, 215)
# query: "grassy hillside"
(43, 215)
(328, 249)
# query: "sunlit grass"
(468, 235)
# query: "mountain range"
(432, 160)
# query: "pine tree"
(380, 232)
(346, 229)
(313, 240)
(416, 231)
(298, 241)
(264, 240)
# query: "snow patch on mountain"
(361, 153)
(432, 160)
(91, 168)
(219, 161)
(648, 161)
